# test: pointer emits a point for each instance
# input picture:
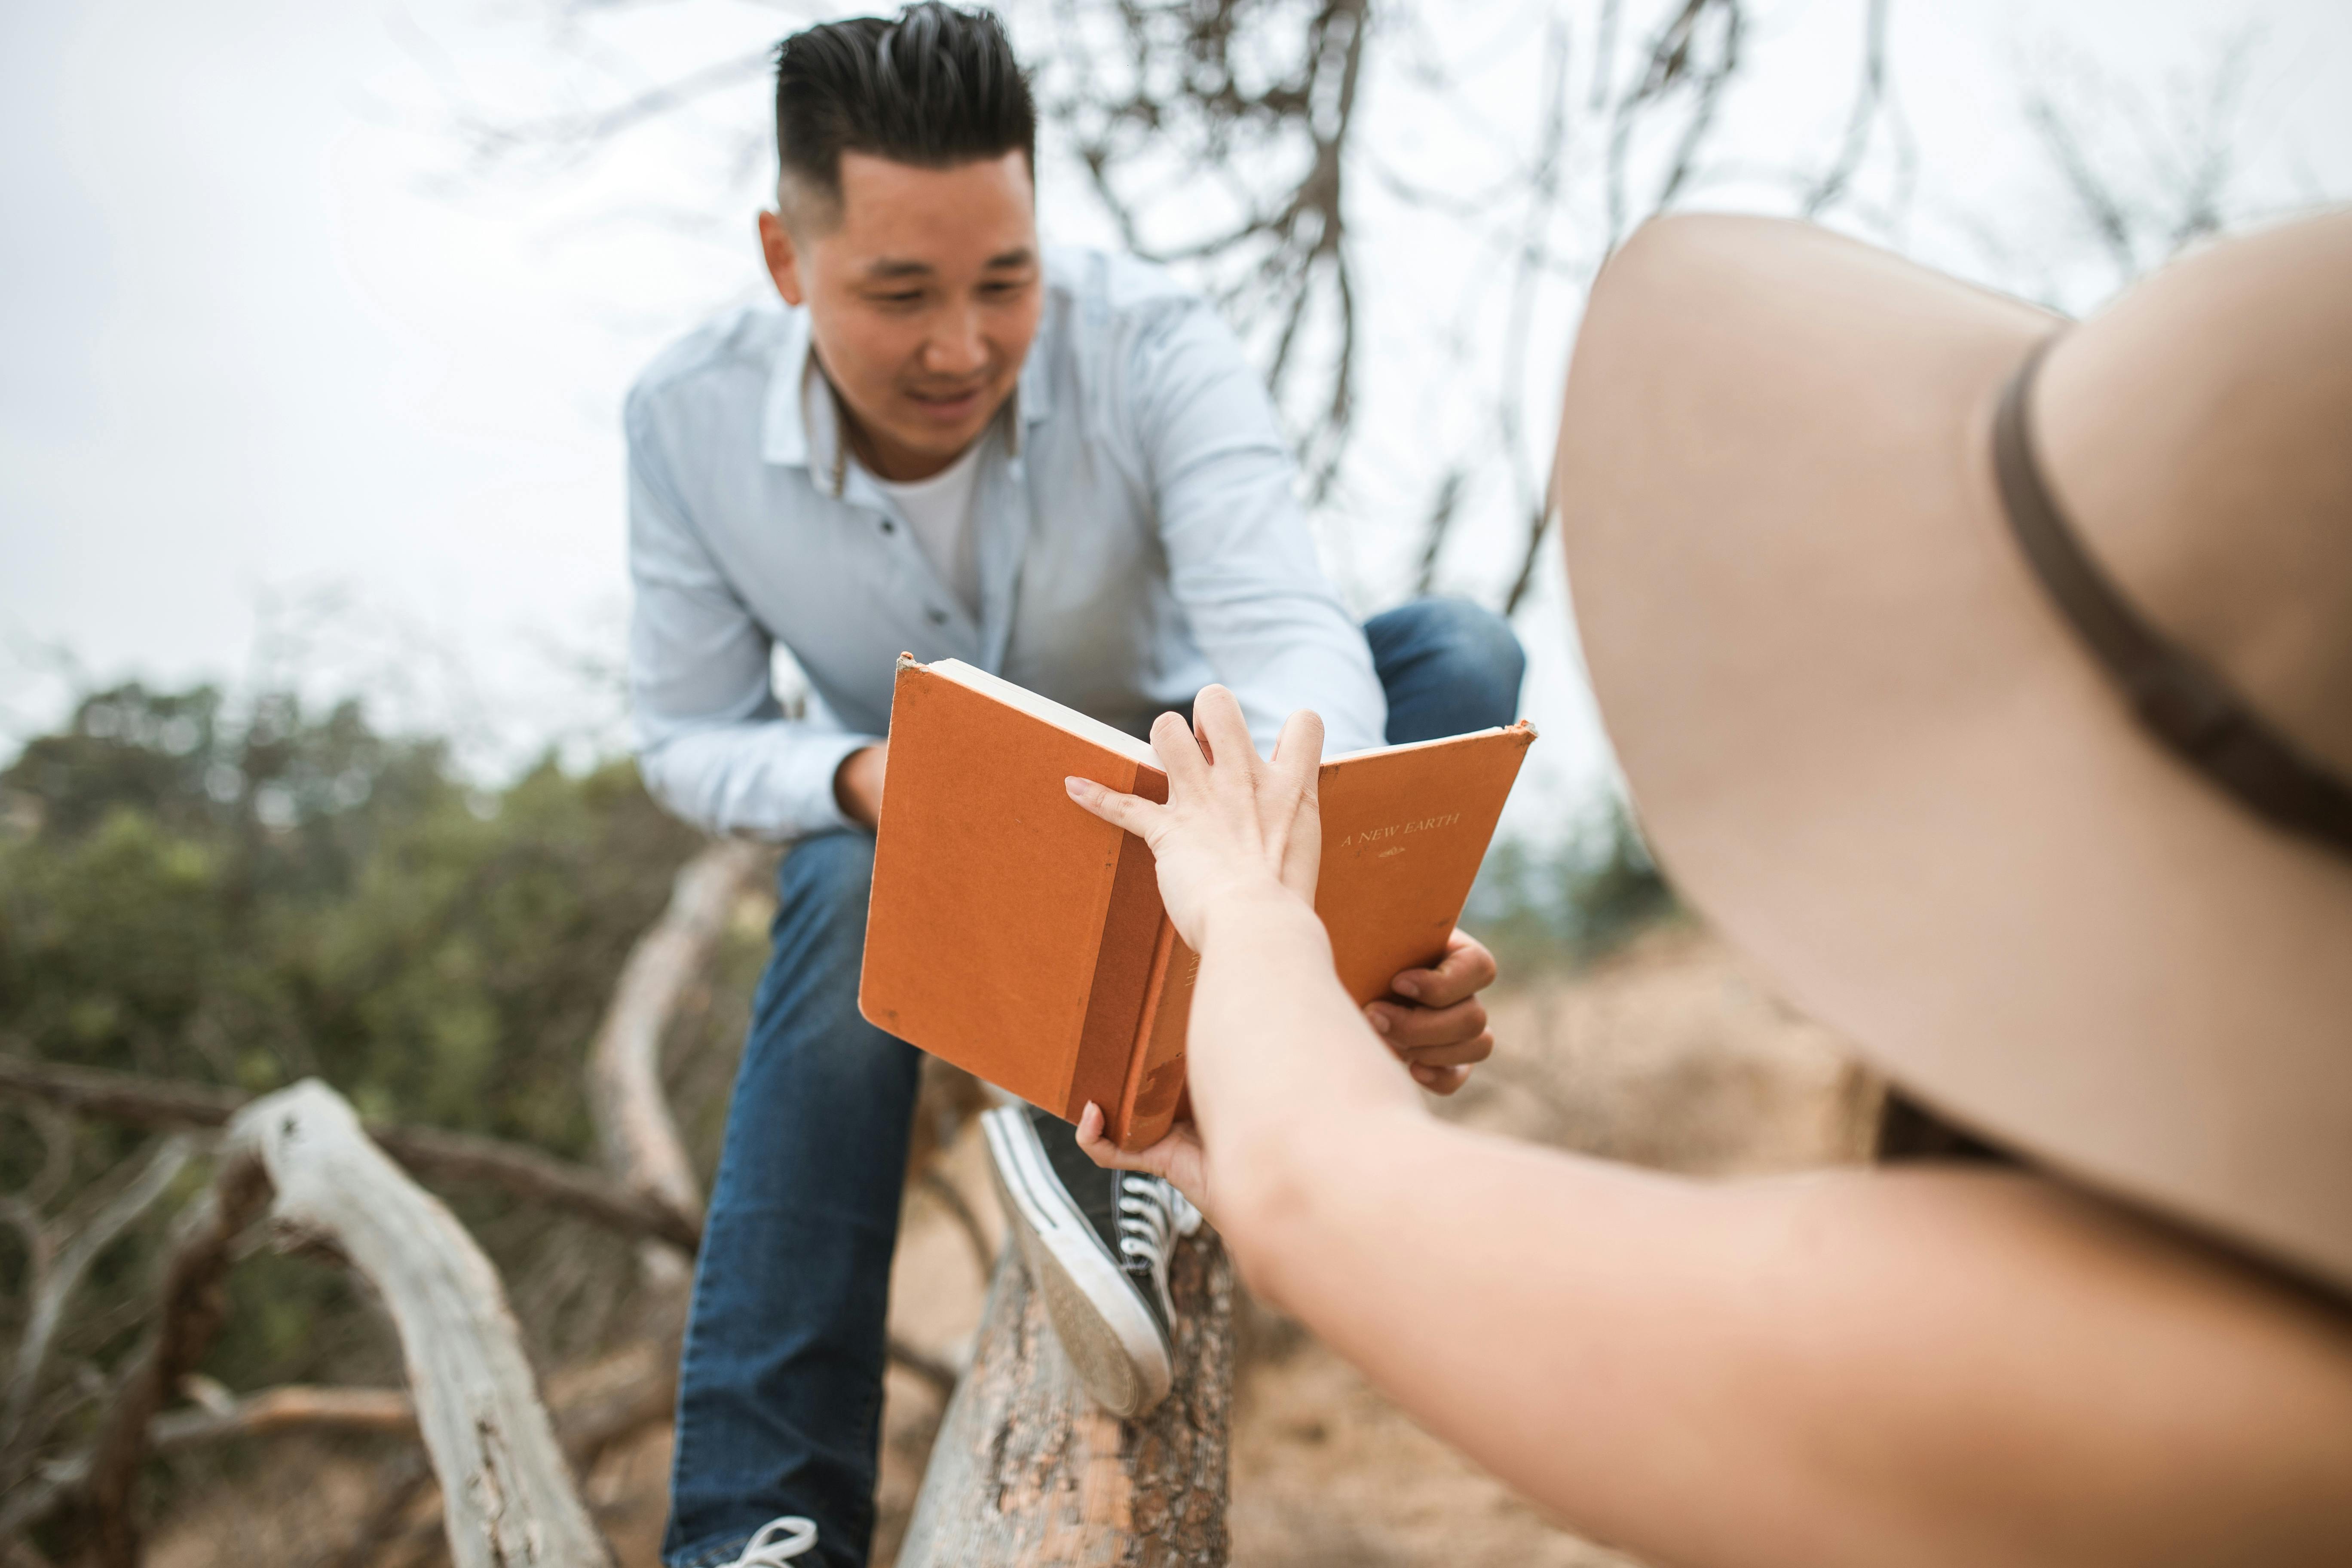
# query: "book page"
(1046, 707)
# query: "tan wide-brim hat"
(1867, 742)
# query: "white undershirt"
(939, 512)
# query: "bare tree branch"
(288, 1409)
(943, 1192)
(572, 137)
(1543, 197)
(192, 1305)
(1208, 88)
(507, 1495)
(1867, 101)
(1539, 528)
(1442, 512)
(931, 1369)
(633, 1124)
(429, 1152)
(53, 1286)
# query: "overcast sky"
(259, 346)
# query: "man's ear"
(784, 258)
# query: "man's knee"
(827, 876)
(1452, 650)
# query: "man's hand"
(1441, 1032)
(857, 784)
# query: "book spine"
(1124, 963)
(1155, 1079)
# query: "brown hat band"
(2176, 695)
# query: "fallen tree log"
(1027, 1470)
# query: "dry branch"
(57, 1272)
(935, 1186)
(192, 1305)
(288, 1409)
(429, 1153)
(638, 1135)
(1028, 1470)
(507, 1496)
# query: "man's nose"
(956, 346)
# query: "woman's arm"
(1937, 1366)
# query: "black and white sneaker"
(1096, 1243)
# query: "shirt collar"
(798, 431)
(783, 431)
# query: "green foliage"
(1550, 909)
(247, 894)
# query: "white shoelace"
(1152, 1214)
(779, 1541)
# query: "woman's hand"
(1239, 834)
(1237, 827)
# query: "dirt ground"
(1669, 1054)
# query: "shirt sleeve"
(713, 744)
(1241, 560)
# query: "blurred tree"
(235, 890)
(1542, 909)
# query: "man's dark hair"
(936, 86)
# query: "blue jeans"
(780, 1397)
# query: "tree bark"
(1028, 1470)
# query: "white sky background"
(264, 346)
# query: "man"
(1061, 469)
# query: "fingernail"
(1378, 1019)
(1408, 986)
(1076, 786)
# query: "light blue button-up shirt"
(1138, 535)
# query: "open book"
(1021, 937)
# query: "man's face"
(923, 291)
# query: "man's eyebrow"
(890, 267)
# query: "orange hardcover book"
(1019, 936)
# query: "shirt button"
(889, 527)
(939, 616)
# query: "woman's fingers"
(1130, 812)
(1178, 751)
(1298, 750)
(1225, 733)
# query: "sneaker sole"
(1109, 1335)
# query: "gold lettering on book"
(1398, 829)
